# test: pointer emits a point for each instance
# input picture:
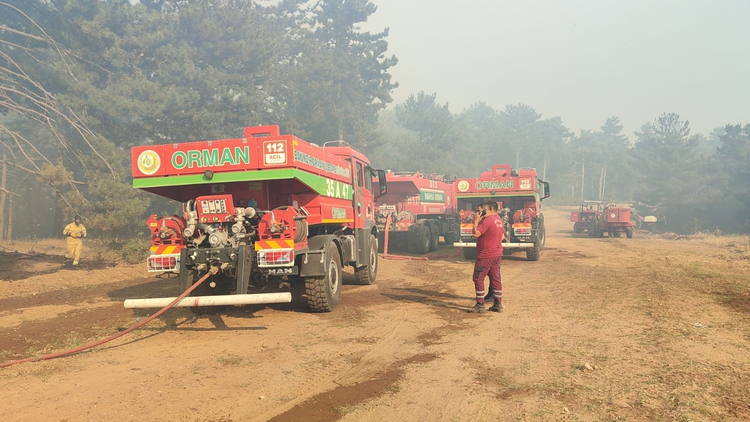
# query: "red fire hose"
(114, 336)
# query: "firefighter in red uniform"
(489, 231)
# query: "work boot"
(497, 306)
(477, 309)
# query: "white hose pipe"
(250, 299)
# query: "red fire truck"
(613, 220)
(421, 208)
(519, 194)
(587, 212)
(264, 211)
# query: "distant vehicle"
(588, 211)
(613, 221)
(653, 221)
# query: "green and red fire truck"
(264, 211)
(416, 211)
(519, 194)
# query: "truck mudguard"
(313, 261)
(363, 243)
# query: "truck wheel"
(434, 236)
(470, 253)
(542, 235)
(629, 233)
(419, 240)
(367, 274)
(532, 254)
(323, 294)
(593, 229)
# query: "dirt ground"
(647, 328)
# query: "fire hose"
(68, 352)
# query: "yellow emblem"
(149, 162)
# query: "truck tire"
(419, 239)
(594, 228)
(470, 253)
(366, 275)
(434, 236)
(425, 243)
(542, 234)
(629, 233)
(323, 294)
(532, 254)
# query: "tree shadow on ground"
(427, 297)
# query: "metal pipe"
(223, 300)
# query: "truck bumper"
(224, 300)
(505, 245)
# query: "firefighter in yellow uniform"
(75, 231)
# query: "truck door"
(363, 197)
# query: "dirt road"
(598, 329)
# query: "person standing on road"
(488, 230)
(75, 231)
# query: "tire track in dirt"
(331, 405)
(372, 376)
(68, 329)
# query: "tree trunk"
(583, 178)
(9, 233)
(58, 226)
(3, 195)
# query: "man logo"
(463, 186)
(149, 162)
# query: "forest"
(81, 81)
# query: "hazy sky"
(582, 60)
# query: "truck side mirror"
(546, 190)
(382, 186)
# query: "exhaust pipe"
(225, 300)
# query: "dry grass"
(131, 250)
(50, 246)
(735, 243)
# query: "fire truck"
(587, 211)
(519, 194)
(613, 220)
(264, 212)
(416, 211)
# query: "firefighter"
(488, 230)
(75, 231)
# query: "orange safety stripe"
(165, 249)
(274, 244)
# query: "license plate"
(283, 271)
